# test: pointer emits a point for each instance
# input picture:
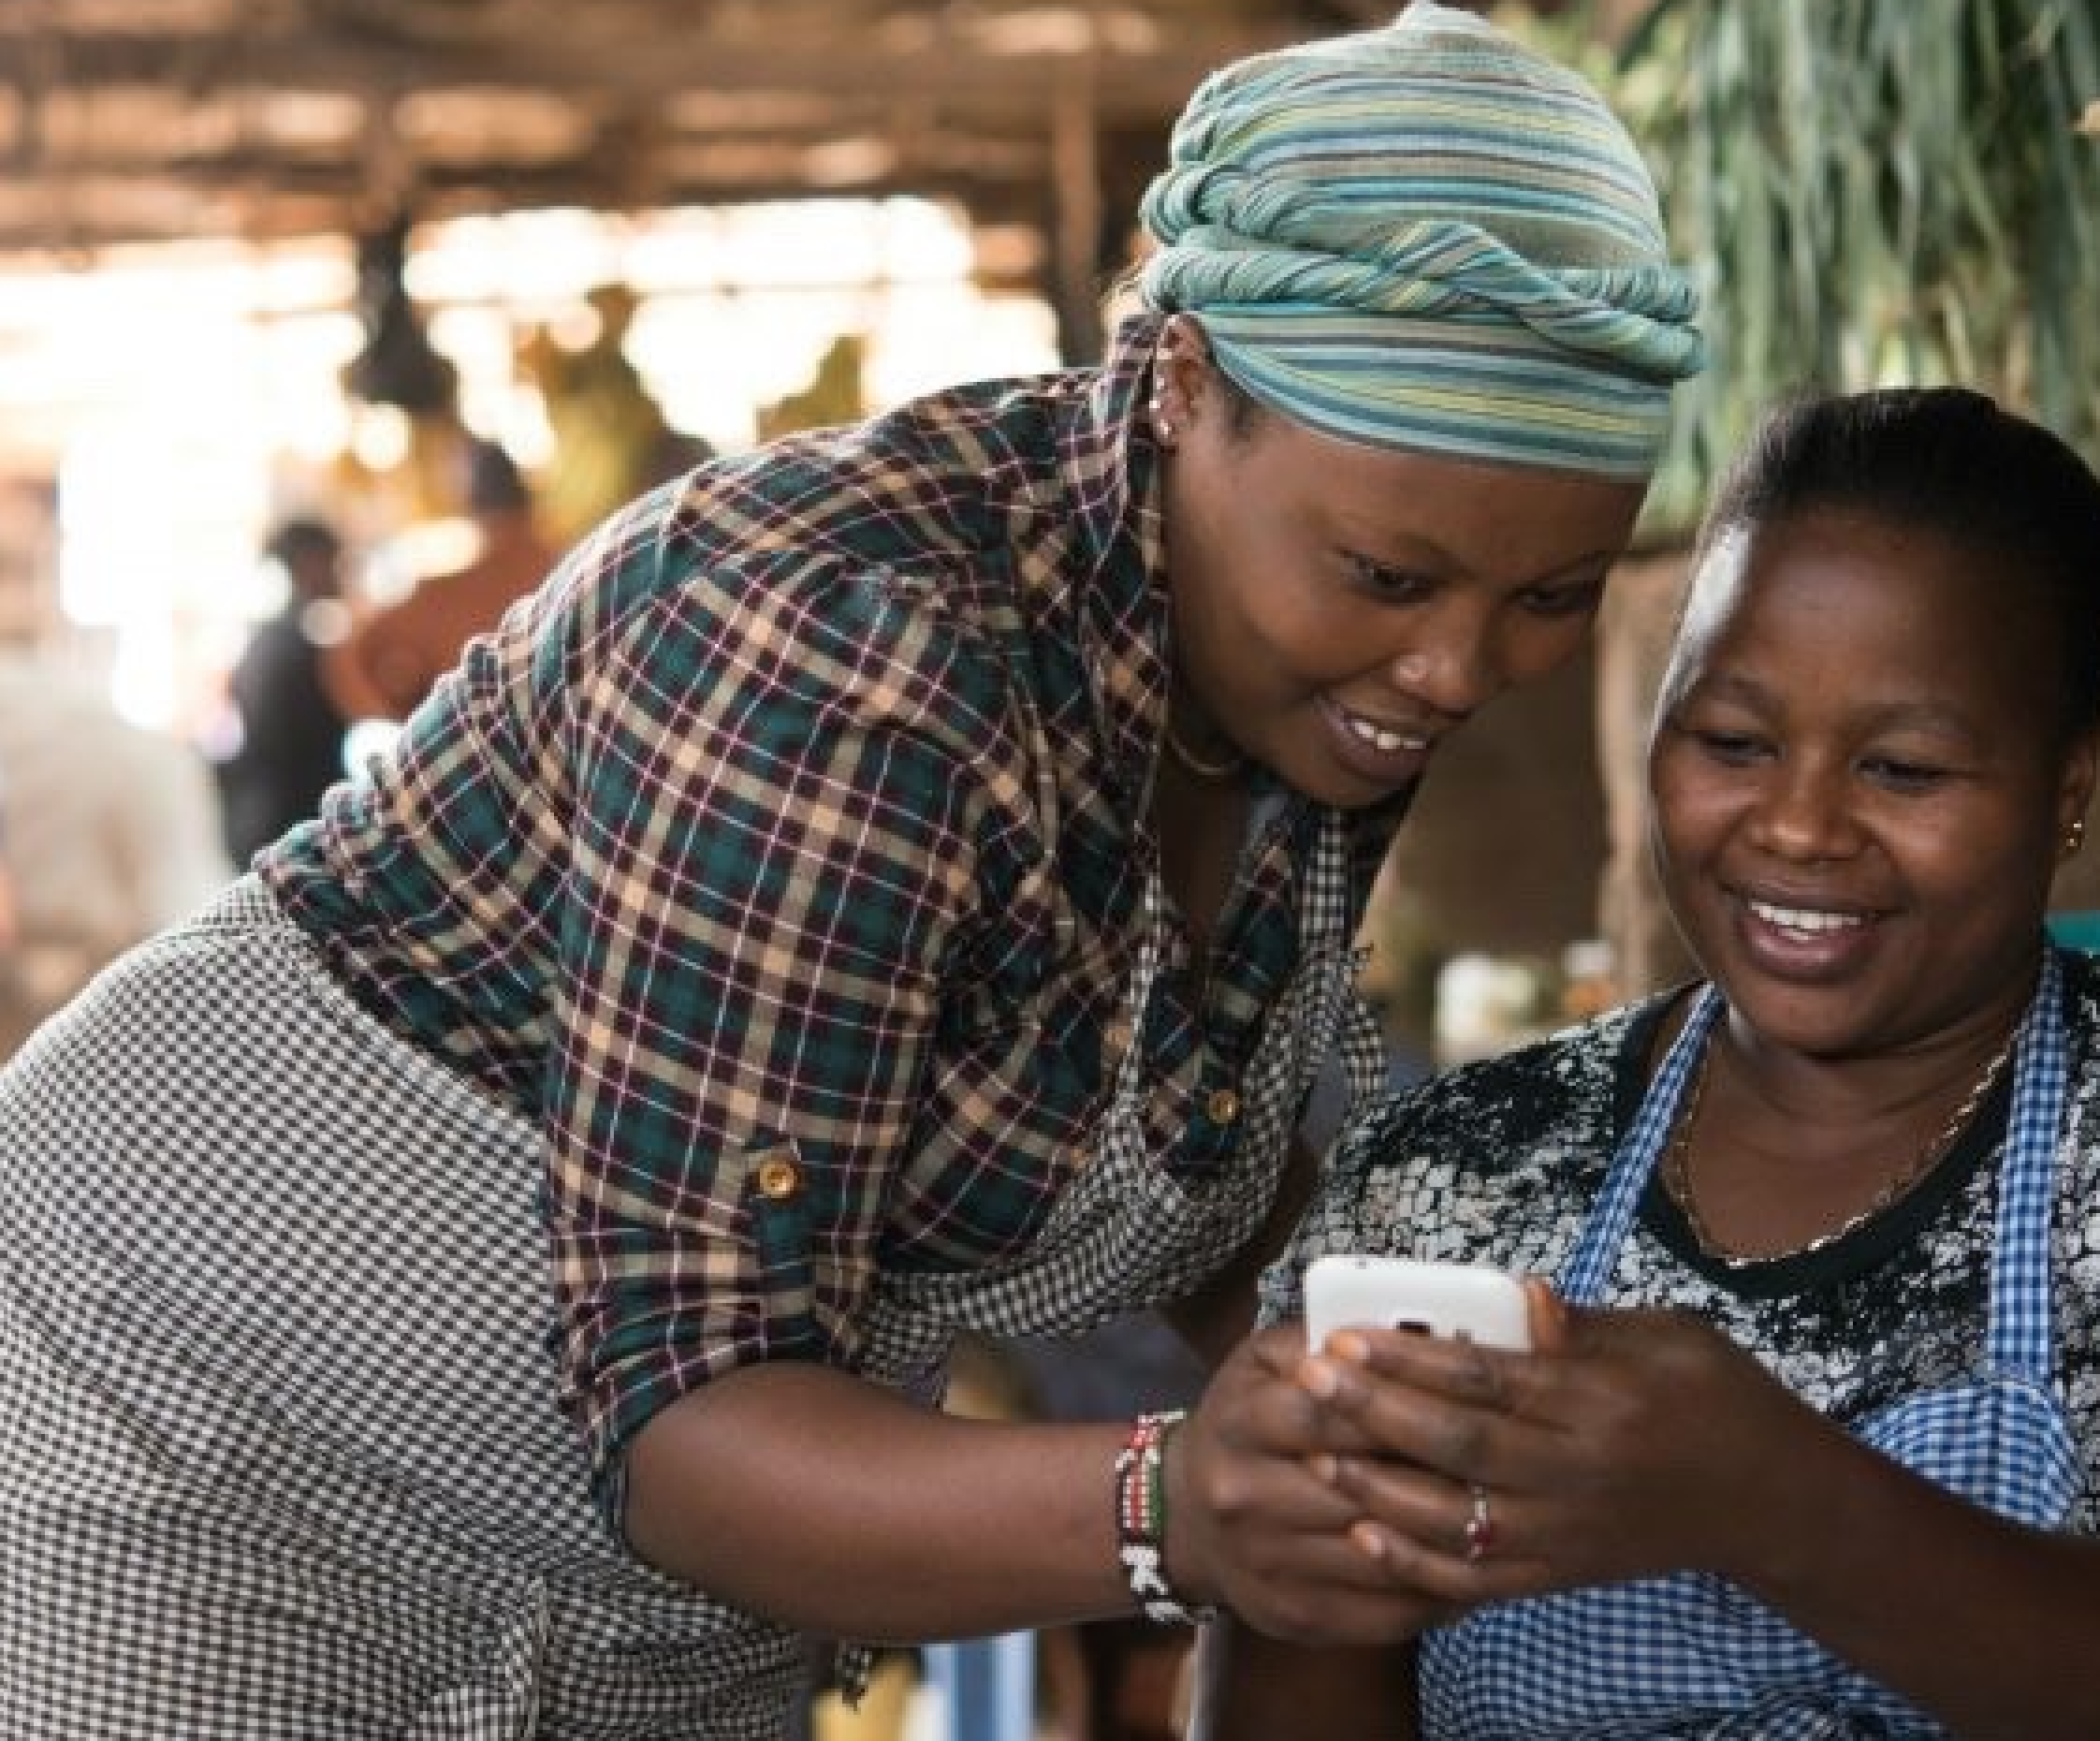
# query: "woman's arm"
(826, 1503)
(774, 880)
(1987, 1625)
(831, 1504)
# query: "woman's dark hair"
(1951, 462)
(494, 483)
(303, 535)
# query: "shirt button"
(779, 1177)
(1223, 1106)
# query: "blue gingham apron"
(1694, 1655)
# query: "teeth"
(1379, 738)
(1803, 919)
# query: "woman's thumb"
(1548, 1315)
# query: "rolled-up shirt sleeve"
(773, 844)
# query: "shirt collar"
(1106, 495)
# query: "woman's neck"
(1774, 1151)
(1201, 825)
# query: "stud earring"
(2073, 837)
(1161, 428)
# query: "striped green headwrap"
(1427, 237)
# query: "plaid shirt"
(783, 856)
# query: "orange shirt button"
(1223, 1106)
(778, 1175)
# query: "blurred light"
(187, 395)
(379, 436)
(849, 162)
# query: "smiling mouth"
(1384, 738)
(1805, 921)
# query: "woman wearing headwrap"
(491, 1273)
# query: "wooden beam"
(612, 67)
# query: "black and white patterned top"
(1500, 1162)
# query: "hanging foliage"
(1871, 192)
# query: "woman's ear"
(1181, 377)
(2074, 792)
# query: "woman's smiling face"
(1338, 609)
(1862, 779)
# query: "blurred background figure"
(392, 655)
(111, 832)
(289, 748)
(610, 429)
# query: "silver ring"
(1480, 1527)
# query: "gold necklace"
(1226, 769)
(1677, 1163)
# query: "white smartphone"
(1465, 1301)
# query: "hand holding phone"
(1469, 1301)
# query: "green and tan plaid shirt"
(783, 856)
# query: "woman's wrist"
(1141, 1521)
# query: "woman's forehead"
(1897, 607)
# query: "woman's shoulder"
(2081, 1005)
(921, 488)
(2081, 1033)
(848, 565)
(2082, 1159)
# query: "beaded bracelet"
(1141, 1520)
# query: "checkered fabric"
(1693, 1653)
(1126, 1232)
(2020, 1332)
(279, 1449)
(278, 1429)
